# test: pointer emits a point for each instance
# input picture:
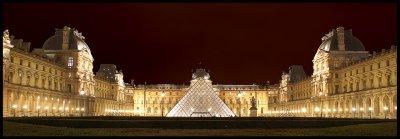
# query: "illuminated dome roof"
(330, 41)
(75, 40)
(201, 73)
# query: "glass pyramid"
(200, 101)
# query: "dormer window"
(70, 62)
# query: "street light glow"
(385, 108)
(303, 109)
(361, 109)
(353, 109)
(370, 109)
(14, 106)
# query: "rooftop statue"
(6, 36)
(253, 102)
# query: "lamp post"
(385, 108)
(82, 110)
(322, 103)
(53, 110)
(47, 108)
(59, 110)
(38, 110)
(240, 105)
(362, 110)
(14, 108)
(354, 112)
(370, 112)
(316, 109)
(162, 103)
(24, 107)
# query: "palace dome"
(75, 40)
(330, 41)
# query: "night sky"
(239, 43)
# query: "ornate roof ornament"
(76, 33)
(327, 36)
(6, 36)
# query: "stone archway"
(386, 102)
(376, 106)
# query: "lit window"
(70, 61)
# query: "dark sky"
(239, 43)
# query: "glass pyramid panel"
(200, 101)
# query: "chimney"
(340, 38)
(66, 31)
(133, 83)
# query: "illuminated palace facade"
(58, 80)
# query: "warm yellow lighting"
(46, 107)
(25, 107)
(370, 109)
(38, 107)
(353, 109)
(14, 106)
(361, 109)
(385, 108)
(316, 109)
(303, 109)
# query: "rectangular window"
(70, 62)
(380, 81)
(20, 61)
(36, 82)
(379, 65)
(336, 75)
(387, 62)
(29, 64)
(388, 80)
(351, 87)
(363, 69)
(364, 84)
(358, 86)
(336, 89)
(37, 66)
(28, 79)
(370, 67)
(372, 83)
(69, 88)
